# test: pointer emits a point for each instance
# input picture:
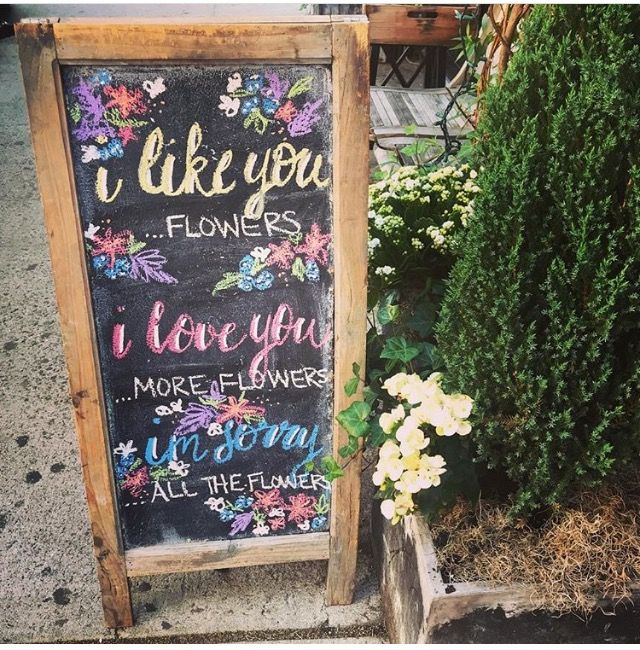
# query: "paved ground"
(48, 585)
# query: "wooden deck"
(394, 109)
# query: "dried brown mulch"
(585, 552)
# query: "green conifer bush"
(540, 323)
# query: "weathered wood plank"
(48, 131)
(78, 41)
(350, 181)
(199, 556)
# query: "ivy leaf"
(351, 386)
(376, 435)
(349, 449)
(300, 86)
(425, 358)
(423, 319)
(330, 468)
(354, 419)
(388, 313)
(369, 395)
(397, 348)
(297, 270)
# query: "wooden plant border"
(338, 41)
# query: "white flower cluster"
(384, 271)
(372, 244)
(439, 235)
(404, 467)
(415, 211)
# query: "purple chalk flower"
(241, 523)
(307, 116)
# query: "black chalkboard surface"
(205, 200)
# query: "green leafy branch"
(301, 86)
(229, 279)
(395, 343)
(75, 113)
(113, 116)
(133, 246)
(257, 120)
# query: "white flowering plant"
(407, 464)
(416, 218)
(405, 417)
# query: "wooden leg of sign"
(350, 180)
(40, 71)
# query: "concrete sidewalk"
(48, 584)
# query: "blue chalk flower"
(243, 502)
(115, 148)
(311, 271)
(99, 261)
(101, 77)
(264, 280)
(269, 106)
(122, 266)
(103, 153)
(249, 104)
(318, 522)
(254, 83)
(245, 283)
(226, 515)
(246, 265)
(123, 465)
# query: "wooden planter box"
(417, 603)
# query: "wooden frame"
(341, 41)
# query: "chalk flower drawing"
(268, 99)
(293, 258)
(268, 511)
(133, 475)
(121, 255)
(216, 409)
(106, 115)
(179, 467)
(155, 87)
(124, 449)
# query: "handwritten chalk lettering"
(175, 386)
(301, 378)
(269, 332)
(169, 491)
(225, 484)
(218, 402)
(238, 438)
(190, 385)
(275, 167)
(270, 224)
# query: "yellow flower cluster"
(403, 464)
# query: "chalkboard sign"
(209, 233)
(209, 260)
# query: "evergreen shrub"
(540, 322)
